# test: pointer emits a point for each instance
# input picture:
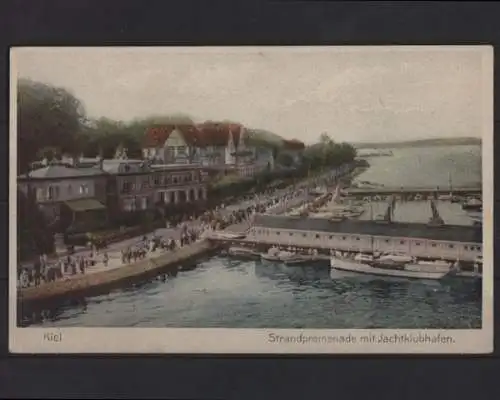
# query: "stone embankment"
(118, 277)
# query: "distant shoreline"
(420, 143)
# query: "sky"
(351, 93)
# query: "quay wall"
(103, 281)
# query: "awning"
(85, 205)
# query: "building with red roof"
(223, 146)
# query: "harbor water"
(223, 292)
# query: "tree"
(47, 116)
(34, 235)
(285, 159)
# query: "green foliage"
(47, 117)
(285, 159)
(327, 153)
(34, 235)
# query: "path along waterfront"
(109, 267)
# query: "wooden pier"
(408, 192)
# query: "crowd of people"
(239, 210)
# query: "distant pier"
(407, 192)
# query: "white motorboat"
(394, 269)
(271, 255)
(445, 197)
(395, 258)
(473, 204)
(242, 252)
(225, 235)
(303, 260)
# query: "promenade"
(101, 277)
(114, 275)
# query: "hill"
(420, 143)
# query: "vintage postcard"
(251, 200)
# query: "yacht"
(273, 255)
(243, 252)
(473, 204)
(388, 267)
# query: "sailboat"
(435, 219)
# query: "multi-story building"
(215, 145)
(74, 196)
(138, 185)
(86, 194)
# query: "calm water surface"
(427, 166)
(219, 292)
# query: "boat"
(473, 204)
(477, 218)
(271, 255)
(395, 258)
(396, 269)
(445, 197)
(226, 235)
(242, 252)
(294, 259)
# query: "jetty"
(116, 277)
(408, 192)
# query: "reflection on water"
(222, 292)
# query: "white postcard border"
(255, 341)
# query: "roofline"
(55, 178)
(369, 235)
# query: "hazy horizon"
(353, 94)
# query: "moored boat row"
(393, 265)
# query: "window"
(129, 205)
(84, 189)
(144, 203)
(304, 235)
(70, 190)
(126, 187)
(278, 233)
(466, 247)
(290, 234)
(387, 240)
(401, 242)
(417, 243)
(343, 238)
(39, 194)
(174, 179)
(317, 236)
(157, 180)
(433, 244)
(50, 193)
(450, 246)
(357, 238)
